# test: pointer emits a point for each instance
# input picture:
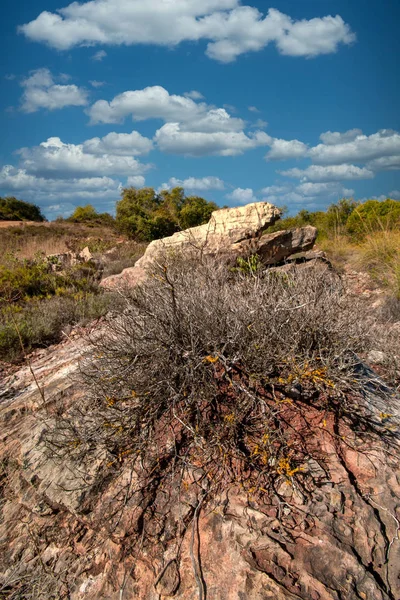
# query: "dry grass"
(378, 254)
(27, 241)
(340, 249)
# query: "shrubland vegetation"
(38, 302)
(364, 236)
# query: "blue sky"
(295, 102)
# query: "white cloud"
(18, 180)
(98, 56)
(253, 109)
(275, 189)
(331, 138)
(194, 183)
(385, 163)
(155, 102)
(136, 181)
(394, 194)
(119, 144)
(96, 84)
(194, 95)
(242, 196)
(172, 139)
(56, 159)
(310, 195)
(231, 29)
(360, 148)
(40, 91)
(10, 76)
(314, 37)
(329, 173)
(323, 189)
(284, 149)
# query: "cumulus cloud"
(253, 109)
(360, 148)
(14, 180)
(229, 28)
(57, 159)
(323, 189)
(195, 183)
(155, 102)
(275, 189)
(242, 196)
(136, 181)
(284, 149)
(307, 194)
(119, 144)
(331, 138)
(172, 138)
(40, 91)
(329, 173)
(385, 163)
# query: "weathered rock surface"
(340, 542)
(230, 233)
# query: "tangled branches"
(218, 378)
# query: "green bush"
(88, 214)
(374, 215)
(146, 215)
(24, 279)
(12, 209)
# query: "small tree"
(195, 211)
(88, 214)
(12, 209)
(147, 215)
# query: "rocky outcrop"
(230, 233)
(339, 541)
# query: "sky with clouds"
(295, 102)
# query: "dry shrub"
(215, 373)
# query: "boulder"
(227, 227)
(273, 248)
(230, 233)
